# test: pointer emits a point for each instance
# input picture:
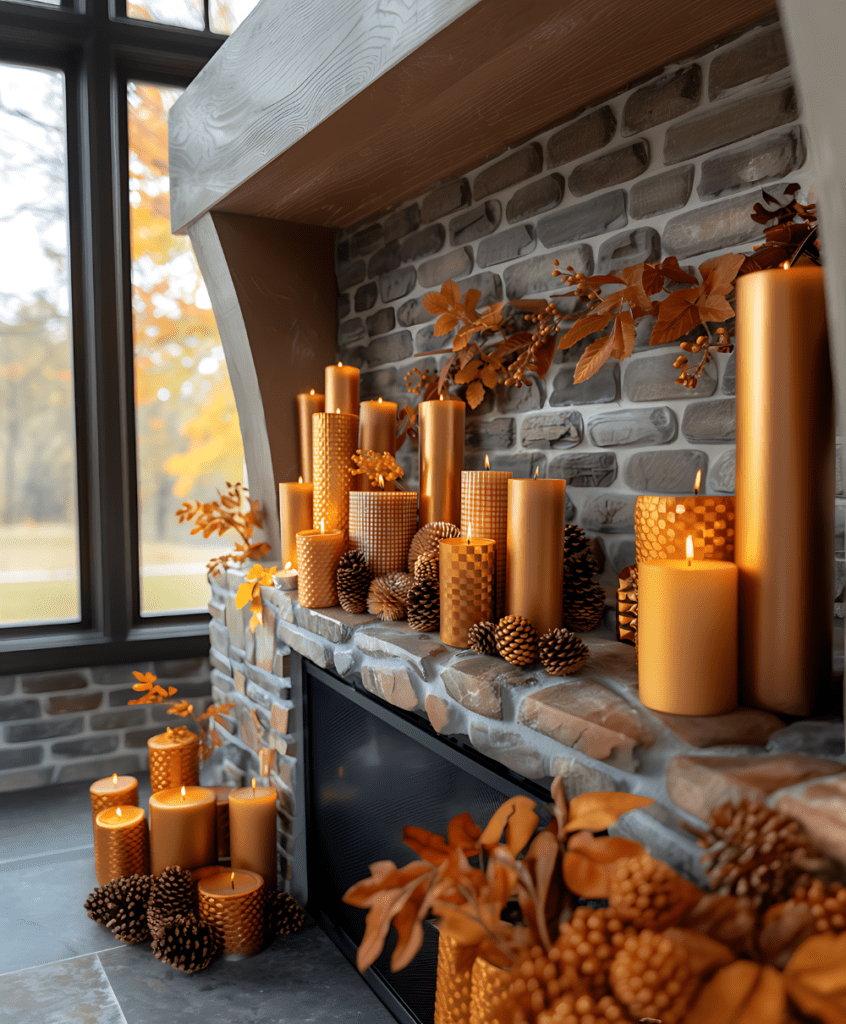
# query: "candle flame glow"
(312, 391)
(323, 526)
(232, 879)
(337, 410)
(254, 787)
(340, 364)
(300, 480)
(537, 472)
(785, 265)
(381, 481)
(287, 566)
(114, 779)
(487, 462)
(183, 792)
(380, 401)
(697, 482)
(119, 812)
(689, 548)
(441, 397)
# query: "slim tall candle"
(441, 460)
(342, 388)
(484, 513)
(335, 440)
(183, 828)
(232, 904)
(115, 791)
(174, 758)
(467, 573)
(534, 570)
(382, 524)
(121, 843)
(252, 831)
(307, 406)
(319, 552)
(296, 512)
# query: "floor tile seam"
(112, 992)
(47, 853)
(64, 960)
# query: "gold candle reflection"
(307, 406)
(441, 460)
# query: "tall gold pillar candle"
(342, 389)
(307, 406)
(441, 460)
(183, 828)
(221, 795)
(335, 442)
(377, 433)
(784, 491)
(318, 553)
(174, 759)
(121, 843)
(232, 904)
(534, 561)
(662, 525)
(115, 791)
(467, 583)
(484, 513)
(296, 512)
(382, 524)
(252, 831)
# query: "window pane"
(183, 13)
(227, 15)
(188, 438)
(39, 567)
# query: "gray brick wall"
(671, 167)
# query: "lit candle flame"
(232, 879)
(254, 787)
(441, 397)
(118, 812)
(487, 462)
(287, 566)
(169, 733)
(312, 391)
(340, 364)
(380, 401)
(323, 526)
(697, 482)
(381, 481)
(183, 792)
(785, 265)
(300, 480)
(537, 472)
(114, 779)
(689, 549)
(337, 410)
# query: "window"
(114, 399)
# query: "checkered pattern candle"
(318, 553)
(335, 443)
(382, 524)
(468, 567)
(662, 525)
(484, 513)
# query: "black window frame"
(99, 49)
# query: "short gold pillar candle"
(662, 525)
(121, 843)
(296, 512)
(335, 443)
(377, 433)
(174, 759)
(307, 406)
(232, 904)
(484, 513)
(467, 583)
(115, 791)
(252, 831)
(342, 389)
(318, 554)
(382, 524)
(183, 828)
(441, 460)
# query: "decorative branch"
(218, 517)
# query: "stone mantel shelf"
(590, 727)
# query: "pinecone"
(587, 944)
(649, 894)
(561, 652)
(428, 567)
(579, 570)
(122, 907)
(575, 540)
(353, 579)
(583, 611)
(482, 637)
(516, 640)
(652, 977)
(284, 915)
(388, 596)
(185, 943)
(627, 605)
(424, 606)
(757, 852)
(172, 896)
(426, 540)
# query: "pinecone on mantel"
(424, 606)
(352, 580)
(516, 640)
(482, 637)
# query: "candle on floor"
(377, 433)
(484, 513)
(319, 552)
(534, 563)
(687, 635)
(307, 406)
(221, 795)
(174, 759)
(335, 441)
(296, 512)
(121, 843)
(183, 828)
(467, 582)
(382, 524)
(115, 791)
(252, 831)
(232, 904)
(342, 389)
(441, 460)
(662, 525)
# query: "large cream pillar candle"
(687, 636)
(377, 433)
(307, 406)
(296, 512)
(484, 513)
(183, 828)
(252, 831)
(335, 440)
(441, 460)
(342, 389)
(534, 561)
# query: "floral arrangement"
(147, 684)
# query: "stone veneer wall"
(671, 167)
(74, 725)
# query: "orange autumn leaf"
(517, 818)
(145, 678)
(590, 863)
(475, 394)
(594, 358)
(427, 845)
(741, 993)
(463, 833)
(596, 812)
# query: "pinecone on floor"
(122, 902)
(388, 596)
(482, 637)
(353, 579)
(652, 977)
(647, 893)
(516, 640)
(428, 567)
(185, 943)
(172, 896)
(426, 540)
(424, 606)
(561, 652)
(284, 915)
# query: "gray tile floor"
(58, 967)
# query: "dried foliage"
(250, 593)
(378, 467)
(218, 517)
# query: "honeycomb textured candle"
(234, 908)
(121, 844)
(174, 759)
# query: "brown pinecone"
(757, 852)
(561, 652)
(575, 540)
(482, 637)
(426, 540)
(649, 894)
(172, 896)
(652, 977)
(185, 943)
(388, 596)
(583, 610)
(353, 579)
(424, 606)
(579, 570)
(284, 915)
(587, 944)
(428, 567)
(516, 640)
(627, 605)
(107, 902)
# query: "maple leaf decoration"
(153, 694)
(217, 517)
(250, 593)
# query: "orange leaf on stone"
(596, 812)
(475, 394)
(595, 356)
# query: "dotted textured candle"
(174, 759)
(662, 525)
(318, 555)
(115, 791)
(452, 994)
(234, 909)
(382, 524)
(121, 844)
(467, 571)
(490, 994)
(484, 513)
(335, 442)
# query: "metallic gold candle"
(121, 843)
(174, 759)
(662, 525)
(441, 460)
(484, 513)
(468, 577)
(377, 433)
(490, 993)
(319, 553)
(335, 442)
(183, 828)
(252, 831)
(452, 992)
(342, 388)
(232, 904)
(382, 524)
(307, 406)
(115, 791)
(534, 565)
(296, 512)
(784, 490)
